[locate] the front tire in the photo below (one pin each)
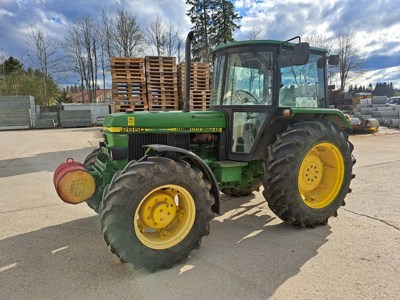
(308, 172)
(94, 201)
(155, 212)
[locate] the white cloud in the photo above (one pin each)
(376, 27)
(381, 75)
(375, 22)
(4, 12)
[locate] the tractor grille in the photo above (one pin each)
(137, 140)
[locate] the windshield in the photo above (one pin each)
(302, 86)
(248, 80)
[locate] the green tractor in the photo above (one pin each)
(156, 179)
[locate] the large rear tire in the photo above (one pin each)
(308, 172)
(155, 212)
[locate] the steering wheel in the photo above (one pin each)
(243, 99)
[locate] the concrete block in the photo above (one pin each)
(366, 101)
(391, 114)
(376, 114)
(45, 123)
(386, 108)
(378, 105)
(367, 111)
(360, 106)
(76, 123)
(394, 123)
(365, 117)
(379, 99)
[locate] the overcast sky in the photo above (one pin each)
(376, 24)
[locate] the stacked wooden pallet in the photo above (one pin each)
(200, 92)
(162, 83)
(129, 84)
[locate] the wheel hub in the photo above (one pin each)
(164, 217)
(311, 172)
(158, 210)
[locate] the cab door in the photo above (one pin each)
(247, 99)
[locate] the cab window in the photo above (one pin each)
(248, 79)
(302, 86)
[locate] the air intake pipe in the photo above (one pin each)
(188, 63)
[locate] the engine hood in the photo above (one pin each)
(162, 121)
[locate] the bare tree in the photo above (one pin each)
(319, 41)
(173, 41)
(324, 42)
(107, 33)
(350, 62)
(179, 49)
(254, 34)
(164, 38)
(2, 71)
(44, 48)
(81, 49)
(155, 35)
(127, 34)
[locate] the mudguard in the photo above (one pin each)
(195, 160)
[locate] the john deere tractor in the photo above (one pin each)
(157, 177)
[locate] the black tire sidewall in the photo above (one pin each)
(127, 199)
(282, 167)
(341, 144)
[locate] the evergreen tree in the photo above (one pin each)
(12, 66)
(224, 19)
(200, 16)
(213, 23)
(18, 81)
(384, 89)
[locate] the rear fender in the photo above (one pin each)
(332, 115)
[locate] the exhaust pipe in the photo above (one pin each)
(188, 63)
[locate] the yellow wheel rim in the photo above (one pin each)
(164, 217)
(321, 175)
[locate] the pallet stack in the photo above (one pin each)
(377, 108)
(200, 92)
(162, 83)
(129, 84)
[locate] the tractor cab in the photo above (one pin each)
(255, 81)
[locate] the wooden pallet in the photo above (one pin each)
(127, 68)
(199, 78)
(161, 83)
(199, 99)
(129, 84)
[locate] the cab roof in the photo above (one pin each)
(259, 42)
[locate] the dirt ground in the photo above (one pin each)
(52, 250)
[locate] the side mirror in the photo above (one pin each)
(301, 53)
(333, 60)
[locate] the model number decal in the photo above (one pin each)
(141, 129)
